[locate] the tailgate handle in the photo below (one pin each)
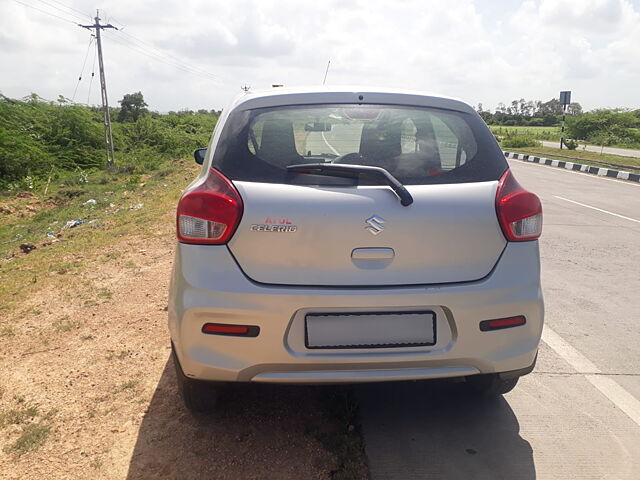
(372, 253)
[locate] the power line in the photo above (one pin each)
(166, 57)
(83, 18)
(83, 14)
(135, 39)
(86, 55)
(149, 47)
(93, 73)
(180, 66)
(45, 12)
(135, 44)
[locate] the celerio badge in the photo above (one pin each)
(375, 224)
(279, 225)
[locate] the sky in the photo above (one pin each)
(192, 54)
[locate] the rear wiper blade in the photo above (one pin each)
(355, 171)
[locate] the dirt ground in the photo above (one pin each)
(86, 361)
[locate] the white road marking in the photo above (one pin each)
(598, 209)
(573, 357)
(329, 145)
(618, 395)
(606, 385)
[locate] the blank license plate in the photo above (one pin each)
(370, 330)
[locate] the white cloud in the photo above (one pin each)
(470, 49)
(590, 45)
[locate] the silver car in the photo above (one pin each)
(353, 235)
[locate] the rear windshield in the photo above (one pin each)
(416, 145)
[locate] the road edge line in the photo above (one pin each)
(607, 386)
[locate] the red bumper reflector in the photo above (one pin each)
(231, 330)
(500, 323)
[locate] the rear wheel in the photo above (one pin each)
(491, 385)
(198, 396)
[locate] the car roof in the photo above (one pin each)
(279, 96)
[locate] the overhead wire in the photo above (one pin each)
(82, 14)
(83, 17)
(125, 39)
(86, 55)
(93, 71)
(46, 12)
(147, 47)
(163, 59)
(145, 44)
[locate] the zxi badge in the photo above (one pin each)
(375, 224)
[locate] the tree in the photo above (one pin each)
(486, 115)
(605, 127)
(552, 107)
(574, 108)
(132, 107)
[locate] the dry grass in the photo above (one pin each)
(87, 390)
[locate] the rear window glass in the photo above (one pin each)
(416, 145)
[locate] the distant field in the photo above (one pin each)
(582, 156)
(539, 133)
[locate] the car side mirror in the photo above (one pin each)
(200, 155)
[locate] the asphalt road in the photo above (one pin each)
(623, 152)
(578, 415)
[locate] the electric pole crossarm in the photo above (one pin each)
(103, 87)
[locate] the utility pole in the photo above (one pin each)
(565, 99)
(103, 87)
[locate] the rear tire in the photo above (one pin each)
(198, 396)
(491, 385)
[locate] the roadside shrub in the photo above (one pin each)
(570, 144)
(39, 140)
(604, 127)
(519, 141)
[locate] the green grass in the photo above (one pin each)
(64, 324)
(582, 156)
(539, 133)
(104, 293)
(23, 275)
(6, 331)
(549, 134)
(17, 416)
(131, 384)
(33, 436)
(35, 427)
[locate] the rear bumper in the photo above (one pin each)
(208, 286)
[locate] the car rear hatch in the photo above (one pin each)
(322, 230)
(299, 235)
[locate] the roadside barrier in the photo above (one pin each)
(578, 167)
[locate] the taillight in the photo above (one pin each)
(519, 212)
(231, 330)
(210, 212)
(500, 323)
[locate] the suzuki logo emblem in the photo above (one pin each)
(374, 224)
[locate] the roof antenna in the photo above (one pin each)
(326, 71)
